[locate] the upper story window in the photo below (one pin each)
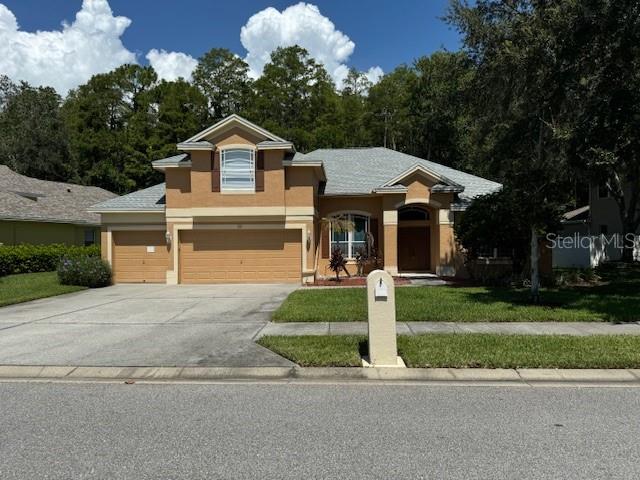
(353, 239)
(237, 170)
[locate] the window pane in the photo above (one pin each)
(359, 229)
(338, 236)
(238, 169)
(344, 246)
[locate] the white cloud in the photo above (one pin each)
(91, 44)
(172, 65)
(303, 25)
(374, 74)
(68, 57)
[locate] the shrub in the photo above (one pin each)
(25, 258)
(337, 262)
(84, 271)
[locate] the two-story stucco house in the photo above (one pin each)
(241, 205)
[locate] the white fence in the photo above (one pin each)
(580, 251)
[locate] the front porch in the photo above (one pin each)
(419, 241)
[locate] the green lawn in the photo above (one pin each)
(30, 286)
(616, 301)
(467, 350)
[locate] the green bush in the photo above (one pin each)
(25, 258)
(85, 271)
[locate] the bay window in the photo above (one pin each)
(352, 240)
(237, 171)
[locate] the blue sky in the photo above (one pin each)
(385, 33)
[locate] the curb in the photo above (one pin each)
(330, 374)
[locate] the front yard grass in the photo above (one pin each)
(458, 350)
(31, 286)
(616, 301)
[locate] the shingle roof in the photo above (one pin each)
(26, 198)
(175, 160)
(361, 170)
(149, 199)
(349, 171)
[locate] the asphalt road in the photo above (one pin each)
(317, 431)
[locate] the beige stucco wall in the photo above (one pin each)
(43, 233)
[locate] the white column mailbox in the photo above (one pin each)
(381, 304)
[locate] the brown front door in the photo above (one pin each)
(414, 246)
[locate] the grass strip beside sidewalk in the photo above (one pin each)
(467, 350)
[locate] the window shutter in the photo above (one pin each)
(324, 240)
(373, 229)
(215, 172)
(260, 171)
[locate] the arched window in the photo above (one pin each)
(350, 241)
(413, 213)
(237, 171)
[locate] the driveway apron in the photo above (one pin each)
(144, 325)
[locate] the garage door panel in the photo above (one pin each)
(218, 256)
(133, 263)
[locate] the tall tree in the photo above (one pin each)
(33, 138)
(520, 105)
(180, 109)
(439, 106)
(601, 51)
(296, 99)
(223, 78)
(353, 101)
(389, 105)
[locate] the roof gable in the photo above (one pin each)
(234, 121)
(420, 169)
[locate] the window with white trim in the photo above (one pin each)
(238, 170)
(352, 240)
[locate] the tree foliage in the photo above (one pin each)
(223, 79)
(33, 137)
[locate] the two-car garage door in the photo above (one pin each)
(240, 256)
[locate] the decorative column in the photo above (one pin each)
(447, 247)
(390, 220)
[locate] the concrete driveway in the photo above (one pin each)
(143, 325)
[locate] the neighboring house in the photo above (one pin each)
(43, 212)
(577, 221)
(605, 214)
(241, 205)
(592, 234)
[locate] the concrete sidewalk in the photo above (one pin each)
(416, 328)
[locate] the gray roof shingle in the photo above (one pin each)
(26, 198)
(148, 199)
(174, 160)
(361, 170)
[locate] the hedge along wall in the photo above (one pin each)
(27, 258)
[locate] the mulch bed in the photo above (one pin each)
(352, 282)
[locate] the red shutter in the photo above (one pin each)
(215, 172)
(324, 240)
(260, 171)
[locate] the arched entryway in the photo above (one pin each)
(414, 239)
